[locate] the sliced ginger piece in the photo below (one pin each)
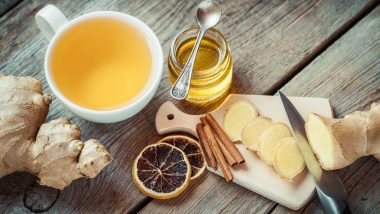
(269, 139)
(237, 116)
(288, 161)
(252, 131)
(322, 141)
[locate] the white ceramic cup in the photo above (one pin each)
(53, 23)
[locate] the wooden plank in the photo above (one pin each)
(268, 40)
(237, 200)
(6, 5)
(348, 73)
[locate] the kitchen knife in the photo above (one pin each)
(330, 189)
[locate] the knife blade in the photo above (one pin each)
(330, 188)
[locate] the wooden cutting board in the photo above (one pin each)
(254, 174)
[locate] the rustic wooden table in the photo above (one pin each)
(326, 48)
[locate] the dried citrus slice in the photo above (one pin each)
(192, 150)
(161, 171)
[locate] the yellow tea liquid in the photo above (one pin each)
(101, 63)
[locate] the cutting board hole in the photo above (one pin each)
(170, 116)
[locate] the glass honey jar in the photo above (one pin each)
(212, 72)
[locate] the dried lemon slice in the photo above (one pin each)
(192, 150)
(161, 171)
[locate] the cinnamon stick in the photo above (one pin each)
(225, 139)
(218, 154)
(204, 121)
(206, 145)
(231, 160)
(237, 142)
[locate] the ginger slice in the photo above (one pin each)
(288, 161)
(269, 139)
(252, 131)
(237, 116)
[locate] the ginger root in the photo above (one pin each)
(339, 142)
(51, 151)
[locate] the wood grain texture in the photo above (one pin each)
(6, 5)
(348, 73)
(269, 40)
(39, 198)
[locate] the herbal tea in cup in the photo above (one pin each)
(104, 66)
(101, 63)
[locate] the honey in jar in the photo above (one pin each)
(212, 72)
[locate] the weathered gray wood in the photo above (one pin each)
(348, 73)
(39, 198)
(6, 5)
(269, 40)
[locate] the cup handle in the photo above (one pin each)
(50, 19)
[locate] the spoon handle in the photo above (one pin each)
(181, 87)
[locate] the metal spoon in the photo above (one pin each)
(208, 15)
